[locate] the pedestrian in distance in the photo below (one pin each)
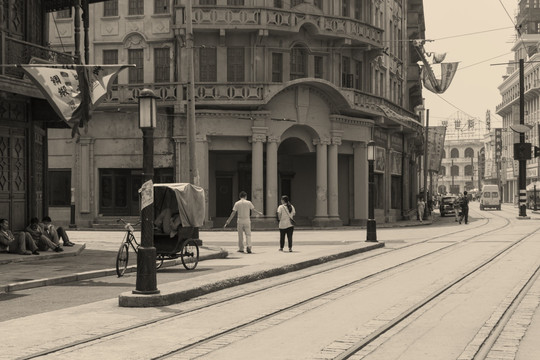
(464, 208)
(54, 233)
(243, 208)
(21, 243)
(457, 208)
(43, 242)
(285, 214)
(420, 207)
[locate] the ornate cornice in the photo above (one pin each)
(351, 121)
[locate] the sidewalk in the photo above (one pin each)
(94, 254)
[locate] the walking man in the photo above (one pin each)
(464, 208)
(243, 208)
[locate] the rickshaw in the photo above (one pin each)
(185, 203)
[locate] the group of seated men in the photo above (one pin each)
(38, 236)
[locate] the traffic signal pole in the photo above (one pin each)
(522, 162)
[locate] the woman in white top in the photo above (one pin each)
(285, 214)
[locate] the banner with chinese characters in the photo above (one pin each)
(436, 135)
(498, 145)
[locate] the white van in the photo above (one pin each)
(491, 197)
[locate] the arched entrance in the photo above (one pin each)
(296, 170)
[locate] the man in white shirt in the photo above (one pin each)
(243, 208)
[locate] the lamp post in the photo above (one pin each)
(371, 234)
(146, 257)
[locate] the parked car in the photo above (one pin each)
(446, 205)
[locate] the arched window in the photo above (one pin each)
(469, 153)
(454, 170)
(454, 154)
(468, 170)
(443, 154)
(298, 62)
(442, 171)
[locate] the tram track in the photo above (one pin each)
(267, 317)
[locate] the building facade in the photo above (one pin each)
(463, 146)
(25, 116)
(287, 96)
(525, 47)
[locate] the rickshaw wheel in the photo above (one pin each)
(122, 259)
(190, 254)
(159, 261)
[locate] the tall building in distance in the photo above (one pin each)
(525, 47)
(463, 143)
(287, 96)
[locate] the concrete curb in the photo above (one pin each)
(169, 297)
(43, 255)
(219, 254)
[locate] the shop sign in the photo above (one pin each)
(380, 160)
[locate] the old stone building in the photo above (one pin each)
(287, 96)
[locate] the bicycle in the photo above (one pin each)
(188, 249)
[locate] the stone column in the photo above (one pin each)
(360, 175)
(201, 147)
(257, 161)
(181, 171)
(86, 171)
(321, 205)
(272, 196)
(333, 193)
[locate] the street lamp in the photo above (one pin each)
(146, 257)
(371, 224)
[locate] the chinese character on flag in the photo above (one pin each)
(73, 90)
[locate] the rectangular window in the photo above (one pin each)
(110, 8)
(358, 75)
(345, 70)
(207, 2)
(396, 192)
(296, 2)
(358, 9)
(381, 84)
(136, 7)
(59, 187)
(110, 57)
(162, 65)
(64, 14)
(318, 64)
(235, 64)
(318, 3)
(277, 67)
(207, 65)
(235, 2)
(161, 6)
(378, 188)
(278, 4)
(136, 74)
(345, 8)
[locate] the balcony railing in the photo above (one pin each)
(282, 20)
(16, 52)
(170, 93)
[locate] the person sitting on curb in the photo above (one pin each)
(54, 233)
(43, 242)
(21, 244)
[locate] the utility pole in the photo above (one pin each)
(472, 172)
(522, 163)
(452, 173)
(193, 171)
(426, 164)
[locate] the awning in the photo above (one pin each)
(57, 5)
(403, 120)
(530, 187)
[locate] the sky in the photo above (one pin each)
(474, 89)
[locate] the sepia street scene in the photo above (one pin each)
(270, 179)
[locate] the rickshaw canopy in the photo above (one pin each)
(190, 200)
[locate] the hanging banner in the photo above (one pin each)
(436, 136)
(498, 145)
(439, 86)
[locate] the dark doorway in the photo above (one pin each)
(224, 195)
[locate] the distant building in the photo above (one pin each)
(525, 47)
(288, 94)
(462, 146)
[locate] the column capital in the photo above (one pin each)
(336, 140)
(273, 139)
(255, 138)
(325, 141)
(202, 138)
(180, 139)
